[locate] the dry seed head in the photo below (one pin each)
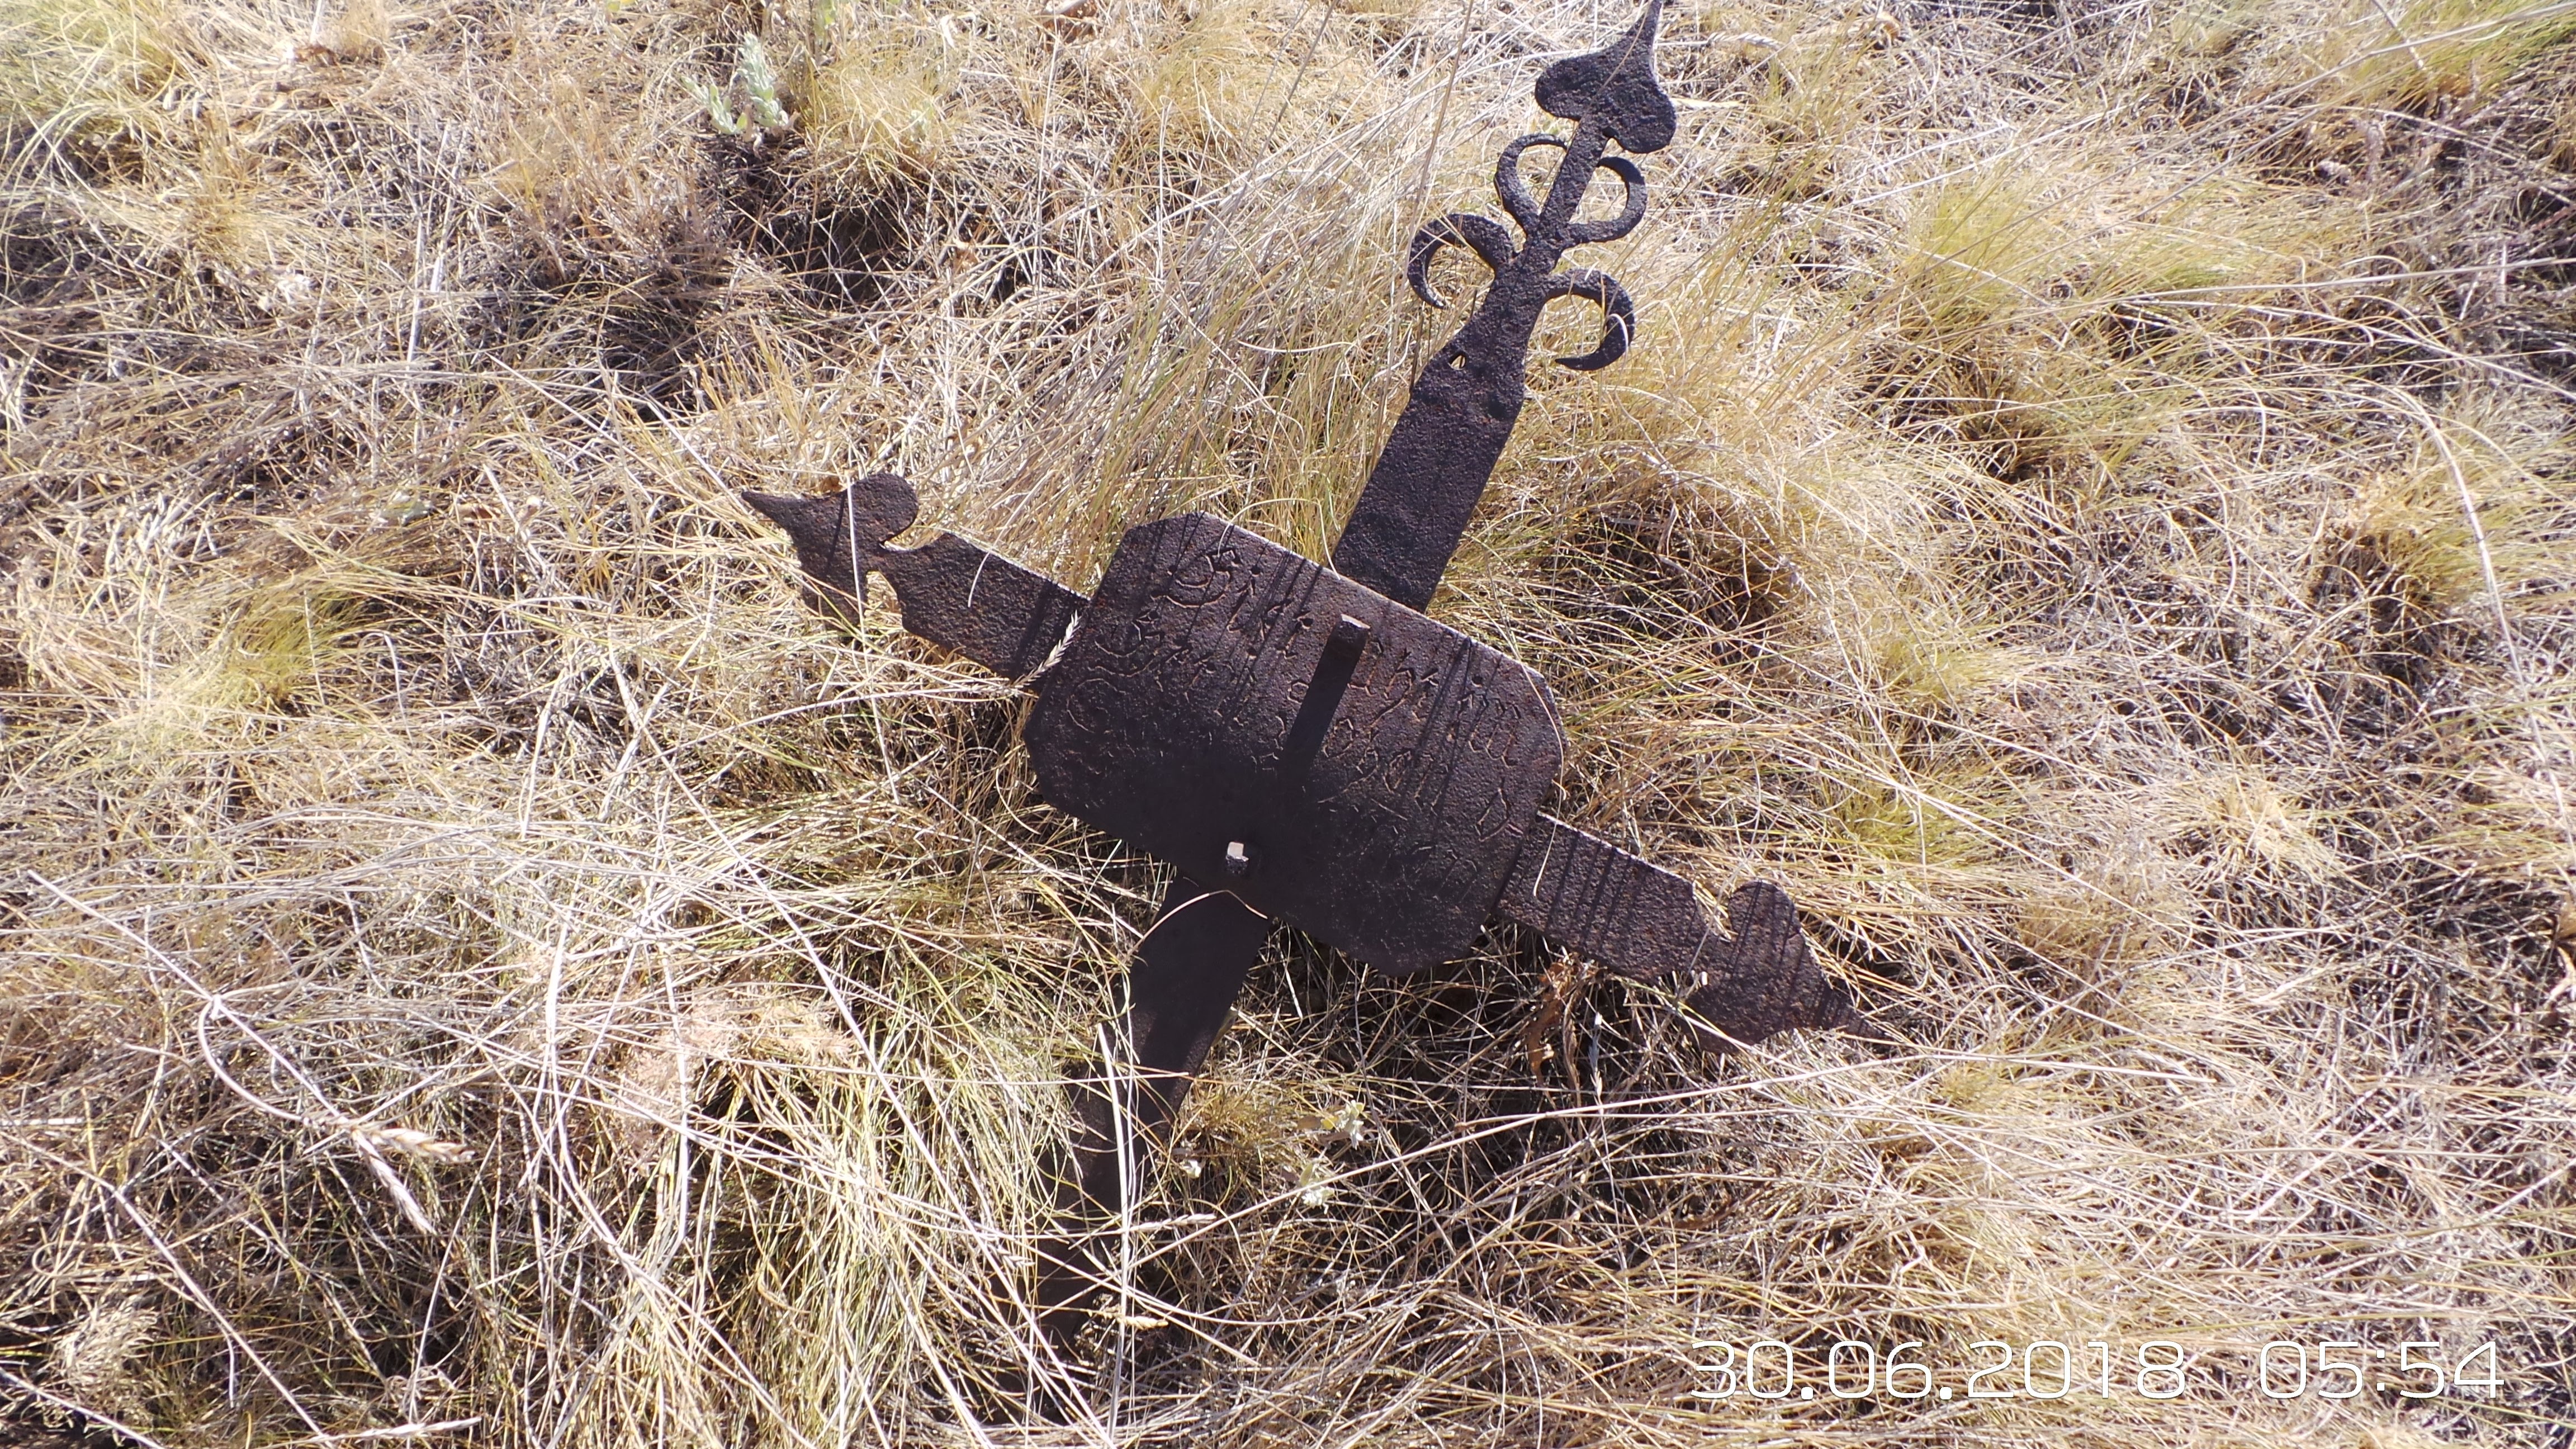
(412, 1142)
(92, 1360)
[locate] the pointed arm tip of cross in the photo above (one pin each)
(1750, 980)
(954, 594)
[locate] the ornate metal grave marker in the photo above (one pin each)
(1301, 742)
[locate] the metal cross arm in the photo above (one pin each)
(1319, 752)
(1302, 743)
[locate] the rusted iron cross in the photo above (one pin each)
(1301, 743)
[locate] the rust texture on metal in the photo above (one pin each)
(1418, 498)
(1187, 971)
(1303, 740)
(1645, 922)
(1371, 771)
(957, 596)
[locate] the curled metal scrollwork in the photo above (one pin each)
(1493, 245)
(1424, 487)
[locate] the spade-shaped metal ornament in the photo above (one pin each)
(1301, 742)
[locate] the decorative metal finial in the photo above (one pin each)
(1433, 469)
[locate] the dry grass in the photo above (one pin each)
(2093, 511)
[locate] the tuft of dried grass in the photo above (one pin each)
(2089, 510)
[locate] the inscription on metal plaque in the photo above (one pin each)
(1376, 793)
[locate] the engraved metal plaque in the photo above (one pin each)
(1323, 752)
